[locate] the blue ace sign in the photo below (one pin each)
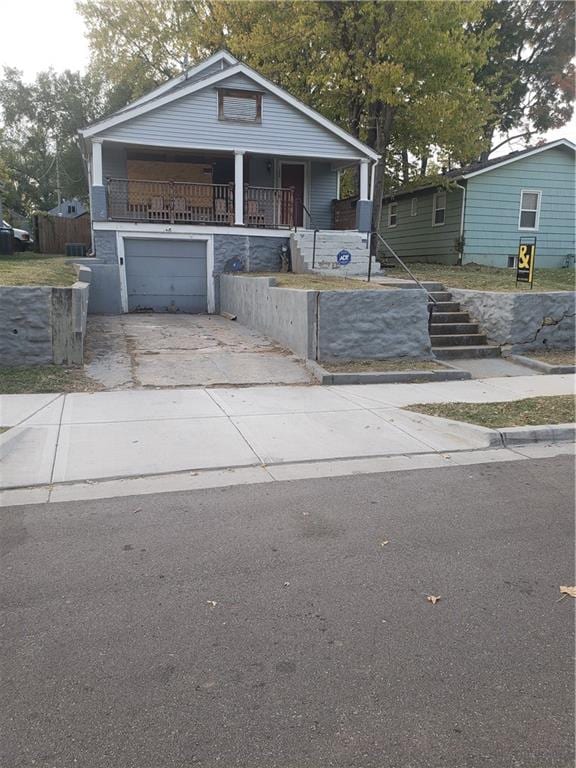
(343, 257)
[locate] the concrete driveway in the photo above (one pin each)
(162, 350)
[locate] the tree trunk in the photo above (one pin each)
(423, 165)
(405, 167)
(385, 120)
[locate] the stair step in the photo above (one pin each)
(442, 296)
(458, 340)
(465, 328)
(446, 306)
(450, 317)
(454, 353)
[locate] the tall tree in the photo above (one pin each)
(39, 138)
(529, 72)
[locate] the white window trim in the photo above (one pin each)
(392, 226)
(434, 209)
(538, 206)
(414, 206)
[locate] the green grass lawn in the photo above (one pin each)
(482, 278)
(36, 269)
(44, 378)
(316, 282)
(531, 412)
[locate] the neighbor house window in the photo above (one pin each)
(239, 106)
(392, 214)
(71, 209)
(414, 207)
(439, 209)
(529, 209)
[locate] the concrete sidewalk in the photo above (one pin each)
(56, 439)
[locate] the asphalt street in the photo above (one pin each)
(286, 625)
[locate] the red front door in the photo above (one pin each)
(292, 176)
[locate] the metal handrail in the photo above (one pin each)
(316, 230)
(431, 299)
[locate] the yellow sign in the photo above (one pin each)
(526, 257)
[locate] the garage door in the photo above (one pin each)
(166, 275)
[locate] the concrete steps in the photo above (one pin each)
(328, 244)
(453, 334)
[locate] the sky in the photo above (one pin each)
(51, 34)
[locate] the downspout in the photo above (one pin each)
(461, 238)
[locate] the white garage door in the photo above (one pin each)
(166, 275)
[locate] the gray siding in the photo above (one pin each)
(414, 236)
(323, 183)
(192, 122)
(493, 206)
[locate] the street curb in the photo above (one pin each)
(539, 365)
(384, 377)
(547, 433)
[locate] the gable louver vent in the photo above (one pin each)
(239, 106)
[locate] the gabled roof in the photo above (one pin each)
(475, 169)
(179, 87)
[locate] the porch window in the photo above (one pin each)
(414, 207)
(239, 106)
(392, 214)
(529, 209)
(439, 209)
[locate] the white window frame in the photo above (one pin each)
(414, 206)
(536, 226)
(390, 225)
(435, 208)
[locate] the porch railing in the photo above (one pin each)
(170, 201)
(192, 203)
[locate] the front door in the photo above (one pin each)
(292, 176)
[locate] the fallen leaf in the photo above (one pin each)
(384, 542)
(211, 603)
(433, 599)
(568, 591)
(286, 583)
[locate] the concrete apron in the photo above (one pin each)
(84, 444)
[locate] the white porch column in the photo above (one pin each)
(97, 178)
(238, 188)
(364, 180)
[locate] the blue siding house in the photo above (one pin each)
(207, 172)
(482, 211)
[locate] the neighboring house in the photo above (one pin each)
(69, 209)
(489, 207)
(208, 172)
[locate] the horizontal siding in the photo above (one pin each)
(323, 185)
(493, 205)
(414, 236)
(192, 121)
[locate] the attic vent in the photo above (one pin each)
(240, 106)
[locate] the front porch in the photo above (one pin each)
(230, 189)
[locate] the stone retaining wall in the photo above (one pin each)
(41, 325)
(332, 325)
(523, 321)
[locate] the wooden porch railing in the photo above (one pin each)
(192, 203)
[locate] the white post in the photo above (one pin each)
(364, 180)
(238, 188)
(97, 178)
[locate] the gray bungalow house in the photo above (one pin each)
(208, 172)
(482, 214)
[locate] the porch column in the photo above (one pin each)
(97, 178)
(364, 180)
(238, 188)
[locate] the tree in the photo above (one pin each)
(529, 72)
(39, 146)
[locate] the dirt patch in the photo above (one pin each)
(554, 357)
(531, 412)
(16, 380)
(318, 282)
(384, 366)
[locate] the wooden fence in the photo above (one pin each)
(51, 233)
(344, 213)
